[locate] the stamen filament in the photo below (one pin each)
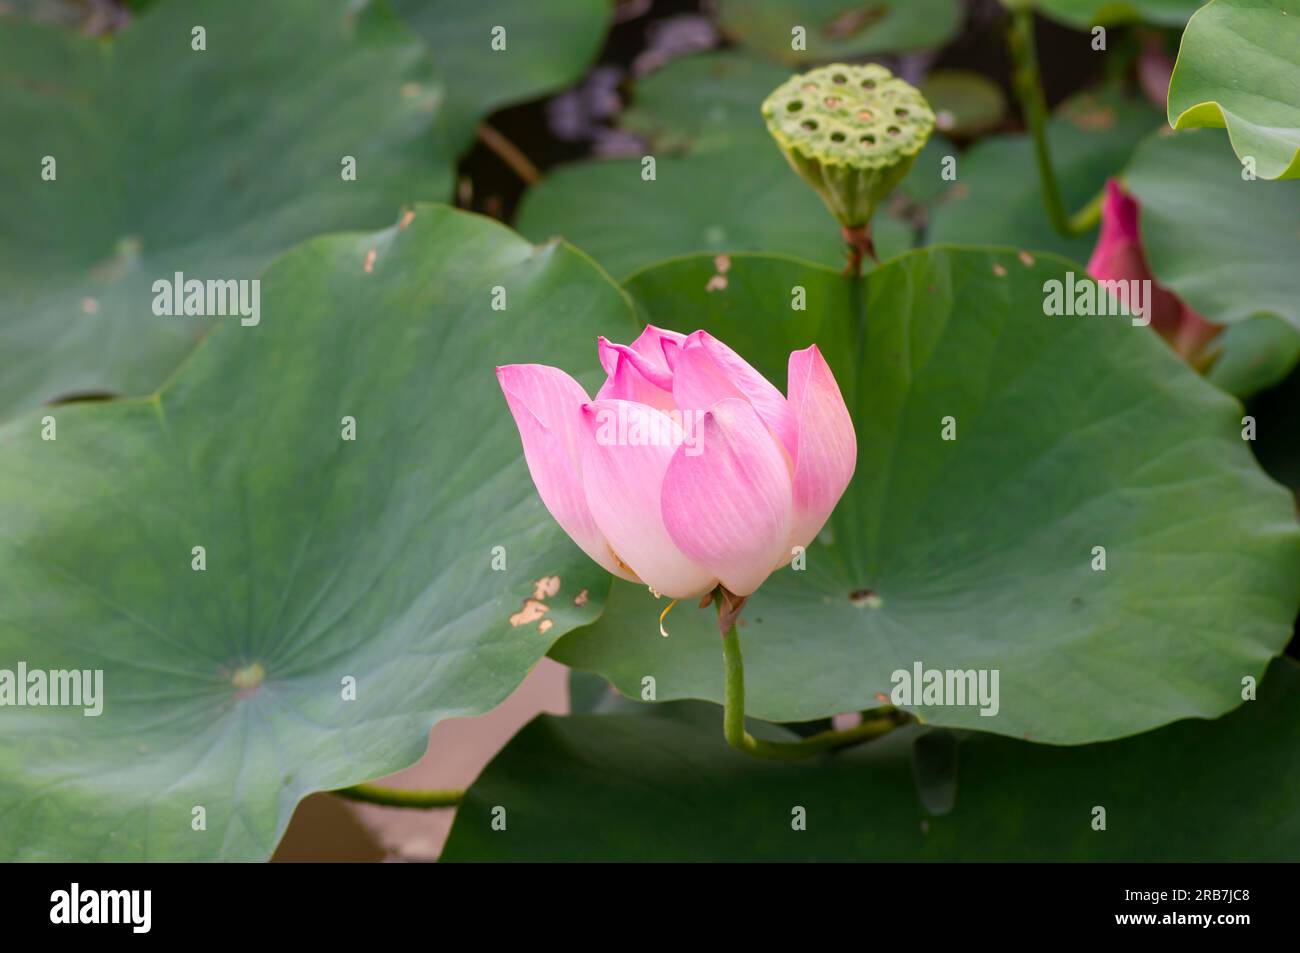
(662, 630)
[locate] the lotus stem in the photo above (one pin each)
(733, 717)
(1028, 84)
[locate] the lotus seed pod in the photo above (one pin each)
(851, 132)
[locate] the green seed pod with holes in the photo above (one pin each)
(851, 132)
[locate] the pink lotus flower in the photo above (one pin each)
(689, 469)
(1119, 256)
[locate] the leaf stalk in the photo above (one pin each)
(1027, 82)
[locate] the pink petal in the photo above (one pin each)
(726, 501)
(708, 371)
(1119, 256)
(547, 406)
(634, 377)
(659, 345)
(827, 449)
(1194, 335)
(1155, 68)
(1114, 256)
(626, 451)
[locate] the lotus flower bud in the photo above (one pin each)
(689, 470)
(851, 132)
(1119, 256)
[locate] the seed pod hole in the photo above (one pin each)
(839, 78)
(868, 84)
(832, 102)
(809, 124)
(865, 115)
(868, 141)
(794, 107)
(837, 137)
(901, 113)
(893, 130)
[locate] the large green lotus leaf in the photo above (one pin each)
(735, 199)
(1085, 14)
(1230, 254)
(1225, 245)
(623, 787)
(702, 102)
(325, 558)
(547, 46)
(996, 198)
(965, 103)
(1254, 354)
(977, 553)
(175, 160)
(838, 29)
(1239, 66)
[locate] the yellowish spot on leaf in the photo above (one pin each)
(719, 281)
(530, 613)
(248, 678)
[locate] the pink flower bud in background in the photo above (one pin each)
(1154, 68)
(1119, 257)
(689, 469)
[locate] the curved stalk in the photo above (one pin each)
(1028, 84)
(733, 718)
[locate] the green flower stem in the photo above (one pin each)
(396, 797)
(733, 718)
(1088, 217)
(1028, 84)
